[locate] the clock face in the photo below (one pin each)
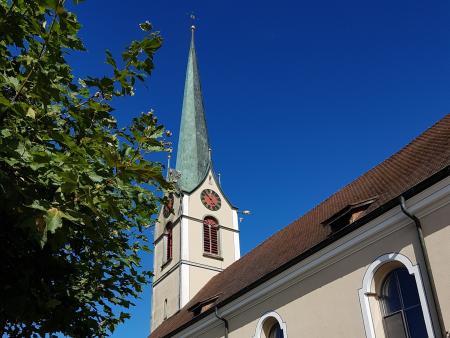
(168, 207)
(211, 199)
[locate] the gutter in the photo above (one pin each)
(227, 329)
(424, 252)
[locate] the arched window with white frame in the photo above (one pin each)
(211, 236)
(400, 306)
(168, 243)
(393, 299)
(271, 325)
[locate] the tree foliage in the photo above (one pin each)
(73, 208)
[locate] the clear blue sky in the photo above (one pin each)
(301, 97)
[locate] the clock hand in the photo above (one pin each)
(212, 198)
(209, 202)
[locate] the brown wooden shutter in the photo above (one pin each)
(214, 244)
(210, 236)
(206, 238)
(169, 243)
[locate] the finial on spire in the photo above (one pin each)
(192, 17)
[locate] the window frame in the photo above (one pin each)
(366, 293)
(217, 226)
(167, 245)
(272, 315)
(169, 248)
(403, 307)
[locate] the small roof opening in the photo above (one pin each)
(203, 305)
(349, 214)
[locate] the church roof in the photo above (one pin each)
(193, 159)
(423, 162)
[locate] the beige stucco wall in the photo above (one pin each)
(197, 278)
(325, 302)
(169, 290)
(437, 231)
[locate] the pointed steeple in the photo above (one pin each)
(193, 159)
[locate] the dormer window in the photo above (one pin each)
(348, 215)
(203, 305)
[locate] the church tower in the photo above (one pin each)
(197, 234)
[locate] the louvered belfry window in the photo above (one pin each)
(169, 243)
(210, 236)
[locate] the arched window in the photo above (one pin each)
(169, 242)
(393, 299)
(210, 235)
(276, 331)
(402, 313)
(271, 325)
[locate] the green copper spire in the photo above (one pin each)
(193, 158)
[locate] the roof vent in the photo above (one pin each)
(348, 214)
(203, 305)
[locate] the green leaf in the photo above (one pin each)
(31, 113)
(6, 132)
(95, 177)
(146, 26)
(110, 60)
(53, 220)
(82, 83)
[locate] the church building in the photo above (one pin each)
(372, 260)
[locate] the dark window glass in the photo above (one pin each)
(391, 296)
(416, 323)
(402, 312)
(276, 331)
(395, 326)
(408, 289)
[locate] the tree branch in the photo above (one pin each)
(41, 53)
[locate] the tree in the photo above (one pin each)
(73, 207)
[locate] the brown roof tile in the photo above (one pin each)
(425, 156)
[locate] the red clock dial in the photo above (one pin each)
(210, 199)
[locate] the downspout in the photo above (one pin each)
(224, 321)
(424, 253)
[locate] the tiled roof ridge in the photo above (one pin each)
(420, 159)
